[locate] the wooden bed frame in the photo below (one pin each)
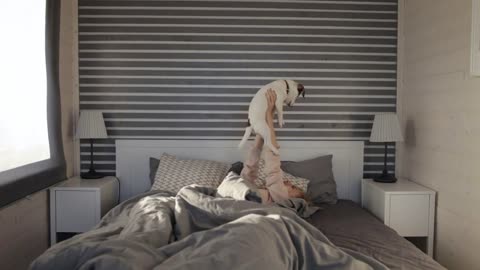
(132, 160)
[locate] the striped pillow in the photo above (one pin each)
(299, 182)
(174, 174)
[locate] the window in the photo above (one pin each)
(31, 150)
(23, 95)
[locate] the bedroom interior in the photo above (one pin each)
(152, 96)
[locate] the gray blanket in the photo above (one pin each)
(198, 230)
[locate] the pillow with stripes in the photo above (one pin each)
(299, 182)
(174, 173)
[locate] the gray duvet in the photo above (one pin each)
(198, 230)
(347, 225)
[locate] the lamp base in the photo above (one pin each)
(91, 175)
(385, 178)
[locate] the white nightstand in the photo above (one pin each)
(404, 206)
(77, 205)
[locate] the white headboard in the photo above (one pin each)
(133, 160)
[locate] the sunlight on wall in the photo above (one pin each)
(23, 88)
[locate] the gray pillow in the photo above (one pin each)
(322, 187)
(154, 163)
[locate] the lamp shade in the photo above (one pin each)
(386, 128)
(91, 125)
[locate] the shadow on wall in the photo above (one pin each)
(410, 138)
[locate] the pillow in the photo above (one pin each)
(154, 162)
(322, 187)
(174, 173)
(299, 182)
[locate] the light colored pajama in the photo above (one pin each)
(276, 190)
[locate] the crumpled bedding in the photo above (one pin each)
(197, 229)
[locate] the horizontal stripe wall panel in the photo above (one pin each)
(188, 69)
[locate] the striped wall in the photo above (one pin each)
(188, 69)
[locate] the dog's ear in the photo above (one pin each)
(301, 90)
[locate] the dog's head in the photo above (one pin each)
(294, 90)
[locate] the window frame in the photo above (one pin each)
(22, 181)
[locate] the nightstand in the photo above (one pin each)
(404, 206)
(77, 205)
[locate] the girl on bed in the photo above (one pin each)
(276, 188)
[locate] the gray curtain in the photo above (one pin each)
(22, 181)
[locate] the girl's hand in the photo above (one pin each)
(271, 98)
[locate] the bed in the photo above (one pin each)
(349, 226)
(198, 226)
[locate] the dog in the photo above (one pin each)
(287, 92)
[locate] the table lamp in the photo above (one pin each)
(91, 126)
(386, 128)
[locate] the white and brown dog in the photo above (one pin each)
(287, 92)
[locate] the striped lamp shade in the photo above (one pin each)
(91, 125)
(386, 128)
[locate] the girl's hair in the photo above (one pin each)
(307, 199)
(300, 192)
(303, 195)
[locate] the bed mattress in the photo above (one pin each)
(349, 226)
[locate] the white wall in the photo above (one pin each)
(440, 111)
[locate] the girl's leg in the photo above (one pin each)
(274, 182)
(250, 167)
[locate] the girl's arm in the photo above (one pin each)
(250, 166)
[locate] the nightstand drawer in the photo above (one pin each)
(76, 211)
(409, 214)
(77, 205)
(404, 206)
